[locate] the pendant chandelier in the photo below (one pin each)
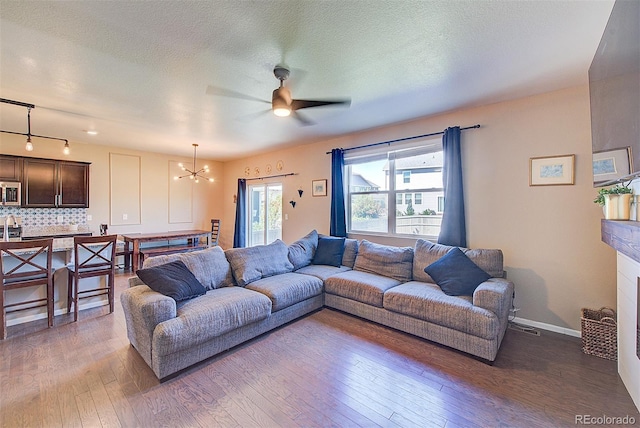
(29, 145)
(194, 174)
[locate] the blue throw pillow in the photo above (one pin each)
(456, 274)
(173, 279)
(329, 252)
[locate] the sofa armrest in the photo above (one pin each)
(495, 295)
(143, 310)
(134, 280)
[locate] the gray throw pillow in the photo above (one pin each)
(301, 252)
(253, 263)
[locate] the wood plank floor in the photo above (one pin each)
(327, 369)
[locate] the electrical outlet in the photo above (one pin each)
(60, 219)
(125, 216)
(89, 217)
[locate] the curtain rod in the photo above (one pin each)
(272, 176)
(404, 139)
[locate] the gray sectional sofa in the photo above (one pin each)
(250, 291)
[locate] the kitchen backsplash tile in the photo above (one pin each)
(44, 217)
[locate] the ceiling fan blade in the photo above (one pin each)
(253, 116)
(300, 118)
(299, 104)
(222, 92)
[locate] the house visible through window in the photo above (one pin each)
(397, 192)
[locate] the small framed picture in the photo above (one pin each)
(319, 187)
(551, 170)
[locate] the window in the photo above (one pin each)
(440, 204)
(378, 183)
(265, 213)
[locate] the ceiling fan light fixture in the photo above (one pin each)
(281, 111)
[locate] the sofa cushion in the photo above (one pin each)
(252, 263)
(322, 271)
(350, 252)
(210, 266)
(429, 303)
(172, 279)
(287, 289)
(385, 260)
(361, 286)
(216, 313)
(426, 253)
(456, 274)
(301, 252)
(329, 252)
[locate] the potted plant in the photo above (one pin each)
(616, 201)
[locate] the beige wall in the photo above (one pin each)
(154, 184)
(550, 235)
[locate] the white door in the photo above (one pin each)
(265, 213)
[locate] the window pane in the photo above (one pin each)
(265, 209)
(407, 198)
(425, 172)
(369, 176)
(418, 198)
(369, 212)
(256, 215)
(398, 198)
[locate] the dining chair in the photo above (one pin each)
(93, 256)
(26, 264)
(215, 231)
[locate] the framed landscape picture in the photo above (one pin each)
(319, 187)
(551, 170)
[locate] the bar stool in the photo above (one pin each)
(215, 231)
(20, 267)
(93, 256)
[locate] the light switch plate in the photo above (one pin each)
(125, 216)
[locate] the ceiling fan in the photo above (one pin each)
(282, 104)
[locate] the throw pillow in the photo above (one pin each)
(301, 252)
(329, 252)
(172, 279)
(456, 274)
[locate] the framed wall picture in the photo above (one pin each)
(551, 170)
(611, 165)
(319, 187)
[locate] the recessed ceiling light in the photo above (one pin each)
(92, 132)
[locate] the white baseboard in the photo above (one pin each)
(548, 327)
(60, 311)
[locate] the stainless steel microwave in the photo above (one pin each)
(10, 193)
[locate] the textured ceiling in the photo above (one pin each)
(138, 72)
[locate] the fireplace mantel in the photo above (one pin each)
(623, 236)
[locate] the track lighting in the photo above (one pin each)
(29, 146)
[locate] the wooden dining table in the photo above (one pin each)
(132, 241)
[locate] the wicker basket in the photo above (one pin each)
(599, 333)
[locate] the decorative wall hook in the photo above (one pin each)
(293, 203)
(300, 191)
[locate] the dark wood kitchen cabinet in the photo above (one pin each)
(10, 168)
(48, 183)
